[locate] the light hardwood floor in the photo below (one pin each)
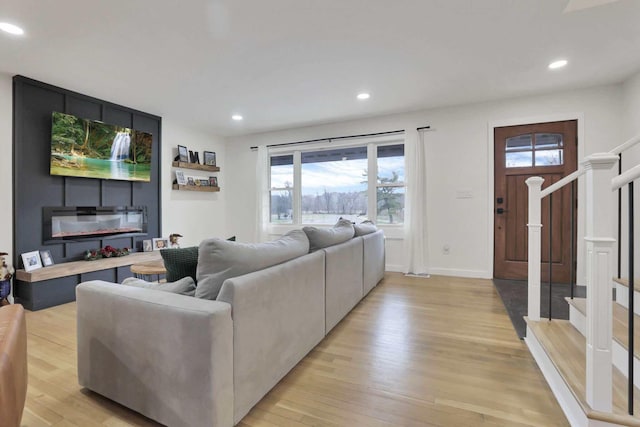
(415, 352)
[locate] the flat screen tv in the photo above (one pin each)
(92, 149)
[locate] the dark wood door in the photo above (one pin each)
(548, 150)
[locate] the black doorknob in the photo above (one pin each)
(500, 210)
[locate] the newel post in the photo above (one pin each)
(599, 242)
(535, 242)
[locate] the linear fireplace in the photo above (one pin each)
(68, 224)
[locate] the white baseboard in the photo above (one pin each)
(396, 268)
(475, 274)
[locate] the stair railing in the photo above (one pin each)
(617, 184)
(599, 212)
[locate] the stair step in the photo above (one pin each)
(620, 319)
(566, 348)
(625, 282)
(622, 293)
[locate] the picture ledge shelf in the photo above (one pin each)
(208, 188)
(79, 267)
(196, 166)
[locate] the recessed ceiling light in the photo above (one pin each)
(11, 29)
(558, 64)
(237, 117)
(364, 96)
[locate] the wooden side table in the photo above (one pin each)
(146, 270)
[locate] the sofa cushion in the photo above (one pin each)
(365, 227)
(185, 286)
(220, 259)
(323, 237)
(181, 262)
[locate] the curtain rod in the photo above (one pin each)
(334, 138)
(423, 128)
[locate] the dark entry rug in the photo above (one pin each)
(514, 297)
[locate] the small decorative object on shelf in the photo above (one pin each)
(106, 252)
(6, 272)
(173, 240)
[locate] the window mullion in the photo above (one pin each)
(372, 180)
(297, 188)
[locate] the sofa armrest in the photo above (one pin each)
(167, 356)
(373, 260)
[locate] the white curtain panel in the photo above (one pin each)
(262, 195)
(415, 226)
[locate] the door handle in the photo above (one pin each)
(501, 211)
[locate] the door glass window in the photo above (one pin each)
(540, 149)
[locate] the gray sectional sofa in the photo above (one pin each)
(186, 361)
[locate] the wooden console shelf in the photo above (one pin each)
(196, 166)
(196, 188)
(79, 267)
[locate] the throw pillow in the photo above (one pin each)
(184, 286)
(181, 262)
(323, 237)
(220, 259)
(365, 227)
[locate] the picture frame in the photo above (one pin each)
(204, 182)
(183, 154)
(209, 158)
(190, 181)
(180, 178)
(31, 260)
(147, 245)
(160, 243)
(213, 181)
(46, 258)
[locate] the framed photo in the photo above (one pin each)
(204, 182)
(209, 158)
(190, 181)
(213, 181)
(160, 243)
(147, 245)
(183, 154)
(180, 178)
(31, 261)
(46, 257)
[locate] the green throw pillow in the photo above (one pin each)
(181, 262)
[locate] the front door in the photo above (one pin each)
(548, 150)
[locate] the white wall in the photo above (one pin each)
(459, 157)
(6, 165)
(196, 215)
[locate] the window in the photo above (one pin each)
(335, 182)
(334, 185)
(540, 149)
(282, 189)
(390, 184)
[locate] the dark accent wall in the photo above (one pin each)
(34, 187)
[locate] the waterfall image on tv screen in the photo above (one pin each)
(91, 149)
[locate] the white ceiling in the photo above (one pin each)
(289, 63)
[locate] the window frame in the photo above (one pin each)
(372, 145)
